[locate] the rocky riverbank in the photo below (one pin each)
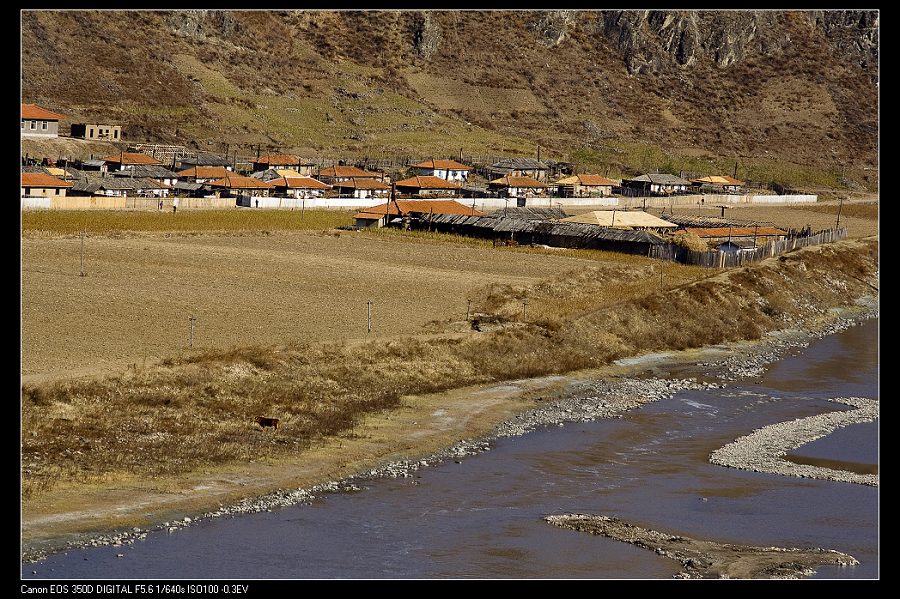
(583, 400)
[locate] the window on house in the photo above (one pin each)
(34, 124)
(44, 125)
(56, 191)
(23, 124)
(115, 134)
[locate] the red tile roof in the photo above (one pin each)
(42, 180)
(364, 183)
(277, 159)
(400, 207)
(299, 183)
(511, 181)
(346, 171)
(240, 182)
(130, 158)
(33, 111)
(735, 231)
(205, 172)
(427, 182)
(450, 165)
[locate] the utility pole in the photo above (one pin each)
(369, 317)
(468, 308)
(524, 305)
(82, 252)
(193, 320)
(837, 225)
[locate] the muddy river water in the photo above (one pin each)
(482, 516)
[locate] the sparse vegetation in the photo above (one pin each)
(802, 114)
(196, 409)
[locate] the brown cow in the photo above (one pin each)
(264, 422)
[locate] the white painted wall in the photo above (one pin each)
(32, 203)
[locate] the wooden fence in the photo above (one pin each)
(720, 259)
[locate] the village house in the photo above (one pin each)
(203, 174)
(105, 186)
(449, 170)
(520, 167)
(156, 172)
(383, 214)
(738, 245)
(585, 186)
(515, 186)
(40, 122)
(298, 187)
(97, 132)
(652, 184)
(339, 174)
(92, 165)
(205, 159)
(283, 161)
(363, 188)
(717, 184)
(127, 160)
(427, 185)
(233, 186)
(43, 185)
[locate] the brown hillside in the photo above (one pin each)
(794, 88)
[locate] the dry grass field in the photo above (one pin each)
(140, 289)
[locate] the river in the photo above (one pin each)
(482, 516)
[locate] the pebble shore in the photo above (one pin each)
(764, 449)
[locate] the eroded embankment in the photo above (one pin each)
(145, 445)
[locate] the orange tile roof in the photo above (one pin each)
(511, 181)
(586, 180)
(364, 183)
(735, 231)
(450, 165)
(299, 183)
(42, 180)
(205, 172)
(131, 158)
(277, 159)
(400, 207)
(240, 182)
(33, 111)
(427, 182)
(345, 171)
